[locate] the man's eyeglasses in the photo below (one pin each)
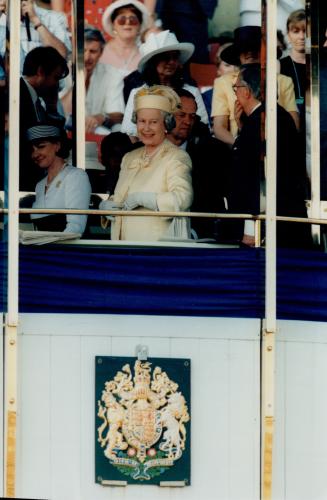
(133, 20)
(235, 87)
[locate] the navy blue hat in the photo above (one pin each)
(39, 132)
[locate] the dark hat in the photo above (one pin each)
(246, 39)
(229, 56)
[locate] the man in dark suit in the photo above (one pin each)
(247, 176)
(210, 162)
(43, 68)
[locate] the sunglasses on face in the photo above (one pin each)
(133, 20)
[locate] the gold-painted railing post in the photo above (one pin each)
(257, 233)
(10, 379)
(268, 389)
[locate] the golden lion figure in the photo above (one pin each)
(113, 415)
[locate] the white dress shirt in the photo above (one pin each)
(105, 92)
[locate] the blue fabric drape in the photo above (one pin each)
(141, 281)
(302, 285)
(167, 281)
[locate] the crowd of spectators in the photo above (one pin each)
(166, 143)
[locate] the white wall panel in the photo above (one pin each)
(34, 417)
(300, 447)
(244, 423)
(57, 410)
(65, 416)
(118, 325)
(226, 425)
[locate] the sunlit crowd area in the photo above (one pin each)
(174, 107)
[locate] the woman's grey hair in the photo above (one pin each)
(168, 119)
(250, 74)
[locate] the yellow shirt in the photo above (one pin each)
(224, 97)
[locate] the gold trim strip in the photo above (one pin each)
(172, 484)
(107, 482)
(268, 454)
(11, 454)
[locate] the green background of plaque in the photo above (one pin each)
(178, 370)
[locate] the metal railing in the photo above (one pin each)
(257, 219)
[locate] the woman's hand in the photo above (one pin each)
(110, 205)
(139, 199)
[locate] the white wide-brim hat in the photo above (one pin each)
(117, 4)
(165, 41)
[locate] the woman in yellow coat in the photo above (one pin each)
(155, 177)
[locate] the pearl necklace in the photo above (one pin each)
(147, 157)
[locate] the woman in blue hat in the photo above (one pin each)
(63, 186)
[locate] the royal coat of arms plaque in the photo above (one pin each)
(142, 418)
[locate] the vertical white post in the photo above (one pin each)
(271, 159)
(78, 33)
(10, 344)
(268, 340)
(13, 191)
(313, 49)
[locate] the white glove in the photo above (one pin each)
(110, 205)
(139, 199)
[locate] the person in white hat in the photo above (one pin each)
(161, 64)
(155, 177)
(124, 21)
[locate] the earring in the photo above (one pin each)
(114, 32)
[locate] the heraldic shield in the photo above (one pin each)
(142, 430)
